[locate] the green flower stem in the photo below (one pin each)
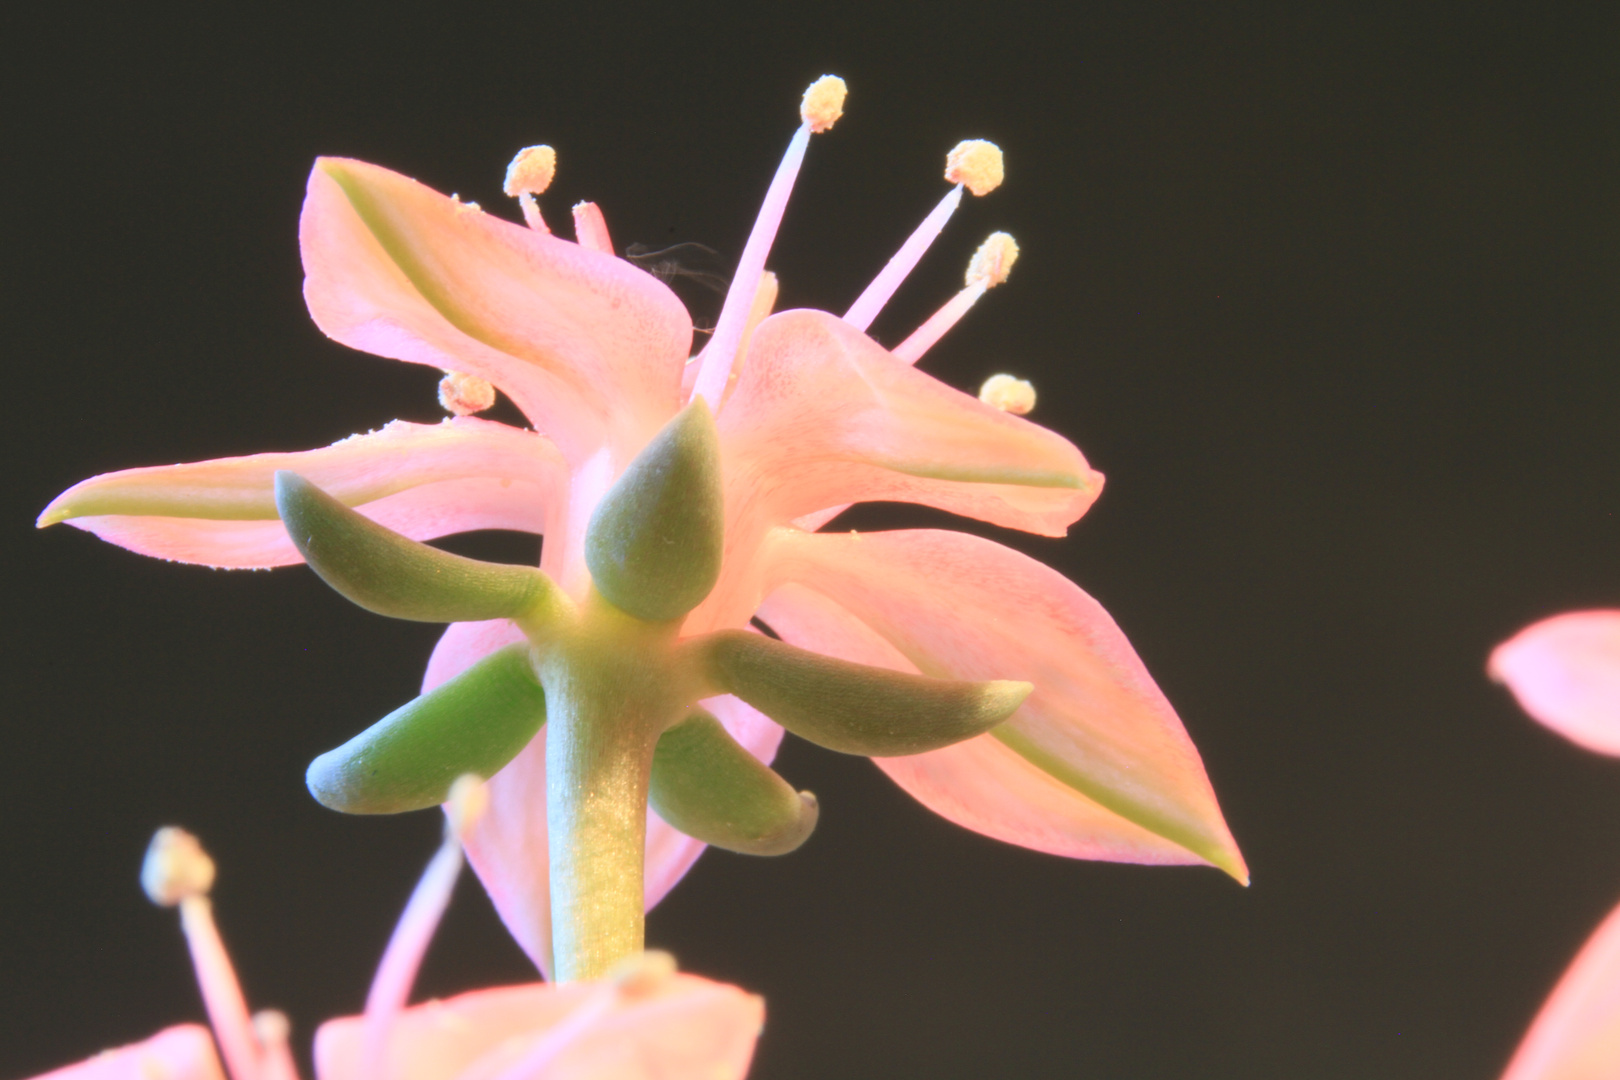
(612, 688)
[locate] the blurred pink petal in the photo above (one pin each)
(588, 346)
(955, 605)
(423, 480)
(1576, 1036)
(687, 1028)
(508, 846)
(823, 416)
(1565, 671)
(980, 784)
(182, 1052)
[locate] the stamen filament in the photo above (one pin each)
(923, 338)
(883, 287)
(721, 351)
(531, 213)
(590, 228)
(221, 993)
(272, 1029)
(401, 960)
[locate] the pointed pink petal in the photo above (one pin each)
(1576, 1036)
(980, 784)
(423, 480)
(182, 1052)
(955, 605)
(507, 847)
(1565, 671)
(588, 346)
(688, 1028)
(823, 416)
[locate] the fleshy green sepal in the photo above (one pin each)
(853, 708)
(393, 575)
(474, 723)
(713, 790)
(654, 544)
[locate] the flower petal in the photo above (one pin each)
(1565, 671)
(687, 1028)
(507, 846)
(823, 416)
(422, 480)
(959, 606)
(980, 784)
(1576, 1036)
(182, 1052)
(588, 346)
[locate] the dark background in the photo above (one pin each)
(1330, 296)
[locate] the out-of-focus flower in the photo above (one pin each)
(809, 415)
(646, 1022)
(1565, 672)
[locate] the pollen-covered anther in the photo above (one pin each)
(176, 867)
(531, 171)
(823, 103)
(993, 261)
(468, 800)
(1008, 393)
(976, 164)
(464, 394)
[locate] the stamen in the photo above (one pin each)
(823, 103)
(822, 106)
(529, 174)
(272, 1029)
(465, 394)
(403, 957)
(178, 872)
(988, 268)
(590, 228)
(1008, 393)
(975, 164)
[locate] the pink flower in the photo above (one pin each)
(812, 415)
(1565, 672)
(647, 1022)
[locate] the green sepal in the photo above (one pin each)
(393, 575)
(853, 708)
(711, 789)
(654, 543)
(474, 723)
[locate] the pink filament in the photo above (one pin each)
(277, 1061)
(402, 958)
(222, 994)
(869, 303)
(590, 228)
(531, 213)
(922, 339)
(721, 352)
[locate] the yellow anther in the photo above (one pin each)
(465, 394)
(531, 171)
(1008, 393)
(993, 261)
(176, 867)
(823, 103)
(468, 800)
(976, 164)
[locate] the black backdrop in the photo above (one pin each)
(1329, 296)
